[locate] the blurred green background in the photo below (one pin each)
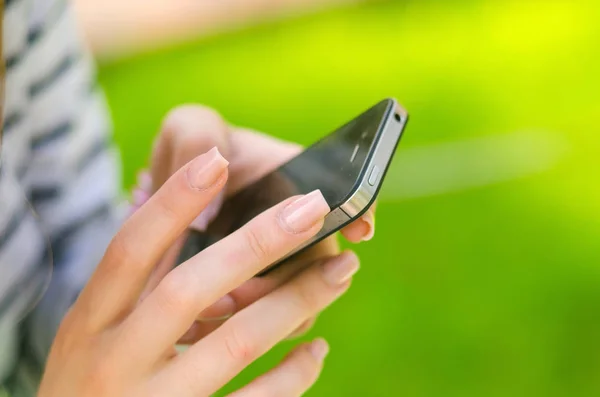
(484, 276)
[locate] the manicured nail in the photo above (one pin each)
(338, 270)
(319, 348)
(219, 311)
(206, 169)
(209, 214)
(369, 220)
(305, 212)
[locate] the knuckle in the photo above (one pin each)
(239, 347)
(101, 377)
(119, 252)
(174, 293)
(306, 299)
(167, 204)
(68, 336)
(258, 244)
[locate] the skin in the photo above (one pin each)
(119, 337)
(193, 129)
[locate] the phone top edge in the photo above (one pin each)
(390, 133)
(382, 123)
(366, 192)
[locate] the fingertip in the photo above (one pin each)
(319, 348)
(369, 220)
(350, 256)
(304, 213)
(217, 153)
(356, 231)
(207, 170)
(362, 229)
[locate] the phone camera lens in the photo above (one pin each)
(397, 117)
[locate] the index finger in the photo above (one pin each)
(200, 281)
(120, 278)
(186, 132)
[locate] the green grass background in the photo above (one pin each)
(490, 291)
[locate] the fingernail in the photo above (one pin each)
(209, 214)
(339, 270)
(219, 311)
(369, 221)
(319, 348)
(144, 181)
(305, 212)
(206, 169)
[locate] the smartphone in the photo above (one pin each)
(348, 166)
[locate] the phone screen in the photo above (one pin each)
(332, 165)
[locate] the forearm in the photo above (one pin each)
(116, 27)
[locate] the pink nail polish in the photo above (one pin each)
(305, 212)
(319, 348)
(205, 170)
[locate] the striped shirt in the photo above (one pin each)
(58, 182)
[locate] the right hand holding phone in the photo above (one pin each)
(190, 130)
(119, 337)
(111, 344)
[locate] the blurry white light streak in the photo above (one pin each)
(447, 167)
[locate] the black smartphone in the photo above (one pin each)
(348, 166)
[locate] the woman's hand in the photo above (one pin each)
(190, 130)
(112, 344)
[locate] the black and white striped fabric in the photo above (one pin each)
(58, 182)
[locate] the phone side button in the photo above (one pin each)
(374, 175)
